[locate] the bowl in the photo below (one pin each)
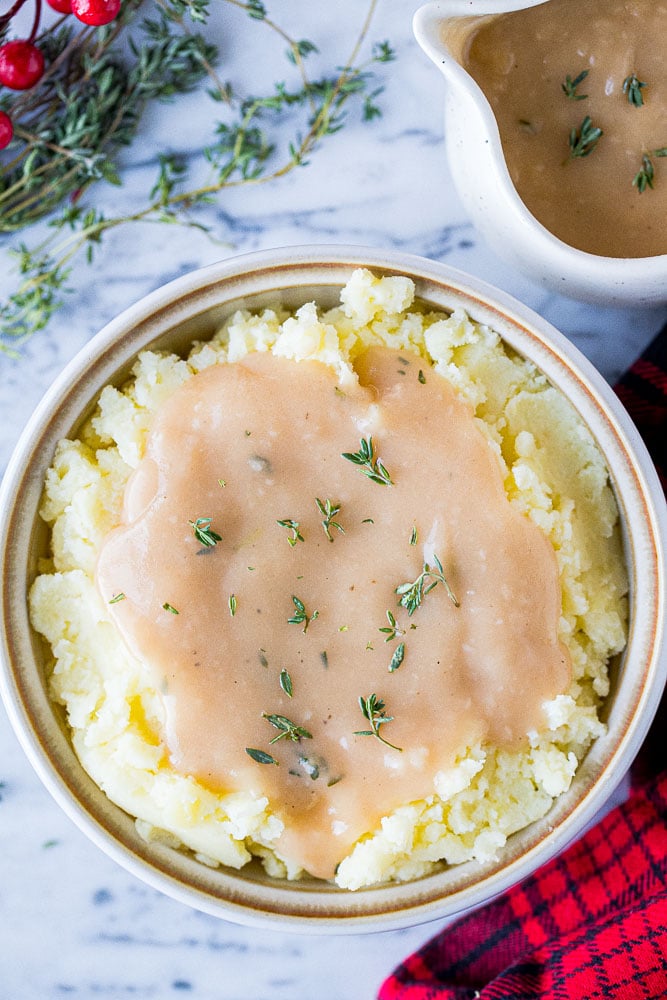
(192, 307)
(482, 179)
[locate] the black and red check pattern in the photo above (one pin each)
(591, 924)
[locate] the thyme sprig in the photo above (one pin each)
(293, 526)
(301, 616)
(632, 88)
(88, 105)
(373, 709)
(584, 139)
(204, 533)
(369, 464)
(287, 729)
(329, 510)
(569, 87)
(412, 594)
(645, 175)
(391, 631)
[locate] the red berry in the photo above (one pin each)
(6, 130)
(62, 6)
(96, 12)
(21, 64)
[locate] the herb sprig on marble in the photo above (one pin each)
(70, 127)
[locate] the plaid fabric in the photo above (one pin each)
(591, 924)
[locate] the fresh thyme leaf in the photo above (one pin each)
(288, 730)
(232, 604)
(170, 608)
(397, 658)
(569, 88)
(300, 616)
(286, 683)
(117, 598)
(373, 709)
(296, 535)
(660, 152)
(204, 532)
(383, 52)
(324, 657)
(392, 630)
(644, 177)
(301, 50)
(584, 140)
(632, 88)
(256, 9)
(413, 535)
(412, 594)
(260, 756)
(421, 377)
(329, 510)
(370, 466)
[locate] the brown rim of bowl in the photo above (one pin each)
(245, 897)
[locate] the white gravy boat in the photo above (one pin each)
(484, 185)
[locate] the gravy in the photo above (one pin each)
(256, 442)
(521, 59)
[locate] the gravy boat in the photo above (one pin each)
(482, 179)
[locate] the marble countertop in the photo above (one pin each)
(73, 923)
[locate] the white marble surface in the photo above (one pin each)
(73, 923)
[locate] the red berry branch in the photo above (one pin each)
(22, 60)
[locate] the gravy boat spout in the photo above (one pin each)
(480, 174)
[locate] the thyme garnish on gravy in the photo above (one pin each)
(584, 140)
(569, 88)
(370, 466)
(397, 658)
(644, 177)
(301, 616)
(329, 510)
(373, 709)
(412, 594)
(286, 683)
(204, 533)
(260, 756)
(392, 631)
(296, 535)
(632, 88)
(287, 729)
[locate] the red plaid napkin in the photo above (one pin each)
(592, 923)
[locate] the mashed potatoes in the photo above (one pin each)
(553, 474)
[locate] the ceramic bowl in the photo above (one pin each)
(481, 177)
(192, 308)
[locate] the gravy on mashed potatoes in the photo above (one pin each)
(230, 588)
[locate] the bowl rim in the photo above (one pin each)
(291, 907)
(561, 256)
